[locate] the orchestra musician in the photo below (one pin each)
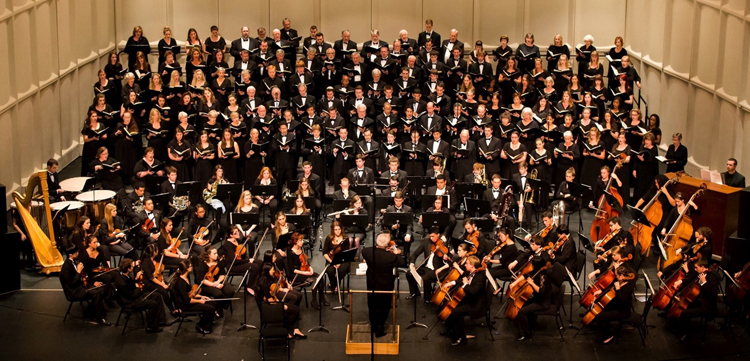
(336, 241)
(148, 221)
(475, 238)
(272, 290)
(232, 253)
(433, 249)
(132, 296)
(701, 248)
(474, 283)
(508, 253)
(381, 261)
(401, 233)
(172, 253)
(302, 272)
(197, 222)
(705, 305)
(437, 207)
(619, 308)
(113, 235)
(732, 177)
(183, 302)
(210, 273)
(151, 275)
(620, 238)
(565, 253)
(540, 301)
(72, 280)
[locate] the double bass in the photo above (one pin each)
(679, 234)
(654, 213)
(604, 210)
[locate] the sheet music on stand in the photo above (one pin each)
(712, 176)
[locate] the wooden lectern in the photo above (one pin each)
(719, 208)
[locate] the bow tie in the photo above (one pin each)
(495, 191)
(149, 213)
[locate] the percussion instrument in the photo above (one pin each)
(72, 214)
(73, 185)
(95, 202)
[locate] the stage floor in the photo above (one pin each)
(33, 330)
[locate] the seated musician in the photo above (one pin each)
(239, 261)
(94, 263)
(183, 302)
(473, 304)
(83, 231)
(166, 243)
(211, 275)
(393, 170)
(618, 237)
(540, 301)
(305, 190)
(441, 189)
(401, 233)
(265, 178)
(436, 169)
(151, 278)
(316, 183)
(361, 174)
(566, 253)
(475, 238)
(356, 234)
(210, 193)
(133, 297)
(112, 233)
(299, 208)
(700, 249)
(290, 295)
(301, 271)
(534, 254)
(548, 233)
(272, 292)
(392, 187)
(616, 258)
(506, 248)
(495, 195)
(170, 186)
(77, 288)
(679, 208)
(523, 193)
(433, 249)
(148, 221)
(133, 203)
(705, 305)
(198, 221)
(56, 194)
(618, 308)
(344, 193)
(335, 242)
(477, 175)
(601, 185)
(437, 207)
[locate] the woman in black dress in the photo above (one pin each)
(540, 158)
(646, 166)
(566, 154)
(204, 154)
(547, 91)
(245, 205)
(106, 87)
(113, 233)
(103, 110)
(166, 44)
(172, 254)
(554, 51)
(127, 146)
(593, 69)
(266, 179)
(565, 106)
(677, 154)
(114, 73)
(610, 130)
(654, 123)
(229, 152)
(583, 54)
(179, 151)
(297, 265)
(272, 292)
(183, 302)
(142, 70)
(194, 65)
(106, 170)
(211, 274)
(600, 186)
(336, 241)
(186, 105)
(562, 73)
(513, 152)
(623, 173)
(137, 42)
(507, 78)
(214, 43)
(175, 87)
(156, 134)
(253, 159)
(236, 253)
(593, 157)
(525, 126)
(153, 281)
(189, 134)
(221, 86)
(94, 136)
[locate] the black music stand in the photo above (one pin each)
(153, 182)
(470, 190)
(382, 181)
(244, 218)
(341, 204)
(428, 200)
(90, 185)
(161, 201)
(341, 258)
(585, 244)
(362, 190)
(382, 202)
(578, 191)
(484, 225)
(355, 220)
(264, 191)
(226, 190)
(293, 185)
(476, 208)
(438, 219)
(302, 222)
(391, 218)
(541, 187)
(192, 189)
(509, 182)
(244, 324)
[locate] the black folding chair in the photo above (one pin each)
(272, 326)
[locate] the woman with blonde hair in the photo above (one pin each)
(112, 233)
(156, 135)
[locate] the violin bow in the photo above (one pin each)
(291, 285)
(234, 258)
(255, 254)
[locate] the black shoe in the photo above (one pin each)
(202, 331)
(460, 341)
(412, 296)
(103, 322)
(300, 337)
(662, 314)
(445, 333)
(524, 338)
(315, 305)
(380, 334)
(154, 330)
(325, 303)
(426, 302)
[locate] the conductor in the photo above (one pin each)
(381, 261)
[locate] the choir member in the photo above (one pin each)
(646, 166)
(106, 170)
(677, 154)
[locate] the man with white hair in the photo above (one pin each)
(464, 151)
(278, 43)
(410, 45)
(360, 122)
(290, 35)
(449, 44)
(381, 261)
(371, 48)
(345, 47)
(245, 42)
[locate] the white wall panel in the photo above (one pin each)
(302, 14)
(234, 14)
(359, 22)
(22, 23)
(8, 155)
(732, 67)
(547, 18)
(496, 18)
(7, 90)
(151, 15)
(705, 67)
(390, 16)
(451, 14)
(46, 41)
(601, 17)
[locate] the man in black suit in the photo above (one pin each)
(393, 170)
(359, 98)
(381, 263)
(170, 186)
(262, 36)
(277, 105)
(361, 174)
(357, 70)
(241, 63)
(345, 47)
(705, 305)
(405, 84)
(414, 70)
(271, 82)
(320, 45)
(428, 34)
(243, 43)
(329, 101)
(415, 155)
(415, 102)
(71, 279)
(148, 214)
(251, 103)
(316, 182)
(430, 121)
(402, 233)
(566, 254)
(372, 47)
(385, 64)
(456, 68)
(344, 193)
(342, 152)
(369, 149)
(283, 66)
(290, 35)
(473, 303)
(53, 182)
(359, 122)
(732, 177)
(262, 59)
(437, 147)
(133, 297)
(409, 45)
(521, 178)
(489, 151)
(310, 40)
(137, 197)
(464, 151)
(302, 101)
(481, 71)
(285, 154)
(428, 270)
(442, 101)
(495, 195)
(449, 44)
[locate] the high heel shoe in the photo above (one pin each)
(198, 329)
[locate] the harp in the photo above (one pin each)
(46, 251)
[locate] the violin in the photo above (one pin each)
(194, 291)
(519, 292)
(604, 210)
(560, 242)
(679, 234)
(474, 239)
(545, 231)
(666, 292)
(212, 274)
(239, 251)
(174, 242)
(337, 247)
(439, 248)
(148, 225)
(304, 266)
(158, 272)
(202, 232)
(654, 213)
(604, 255)
(606, 239)
(605, 280)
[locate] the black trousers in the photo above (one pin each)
(161, 291)
(208, 313)
(225, 292)
(455, 322)
(343, 270)
(379, 308)
(528, 313)
(604, 322)
(428, 277)
(151, 307)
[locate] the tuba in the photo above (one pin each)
(209, 195)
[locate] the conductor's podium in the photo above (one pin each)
(359, 340)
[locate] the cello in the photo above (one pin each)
(654, 213)
(604, 298)
(683, 298)
(601, 283)
(519, 292)
(679, 234)
(456, 295)
(666, 292)
(740, 285)
(453, 275)
(604, 210)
